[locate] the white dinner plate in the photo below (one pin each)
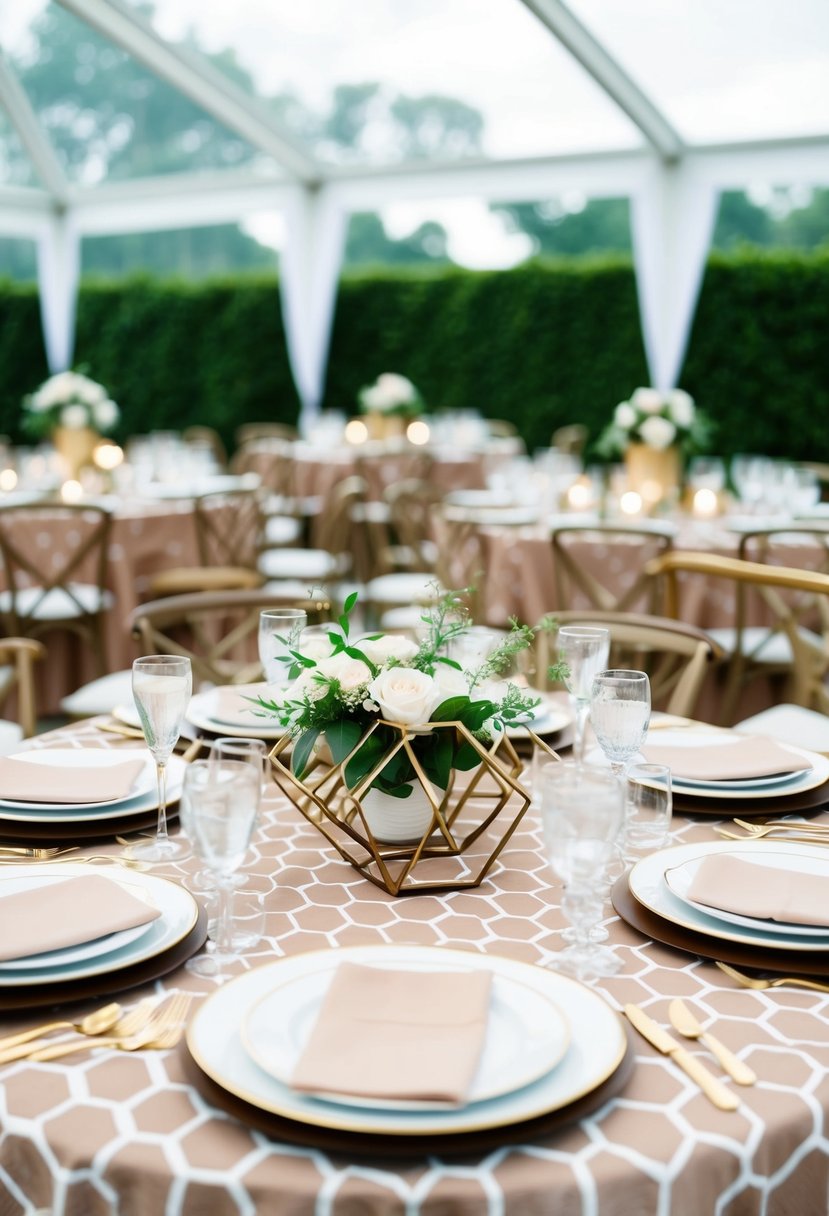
(128, 714)
(549, 717)
(679, 880)
(199, 715)
(74, 954)
(179, 912)
(795, 783)
(61, 757)
(66, 813)
(526, 1036)
(649, 886)
(596, 1049)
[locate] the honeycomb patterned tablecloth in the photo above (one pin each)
(108, 1134)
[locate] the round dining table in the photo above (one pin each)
(106, 1133)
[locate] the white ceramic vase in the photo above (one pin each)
(398, 820)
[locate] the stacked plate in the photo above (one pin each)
(231, 710)
(57, 820)
(550, 1042)
(799, 784)
(656, 897)
(108, 962)
(548, 718)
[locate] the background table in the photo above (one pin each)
(108, 1134)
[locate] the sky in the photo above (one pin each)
(721, 70)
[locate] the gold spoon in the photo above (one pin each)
(683, 1020)
(758, 983)
(94, 1023)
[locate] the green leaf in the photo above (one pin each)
(364, 760)
(450, 710)
(466, 757)
(350, 601)
(342, 737)
(303, 747)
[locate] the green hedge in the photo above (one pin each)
(543, 345)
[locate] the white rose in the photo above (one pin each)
(450, 681)
(681, 408)
(388, 646)
(657, 433)
(372, 399)
(74, 416)
(624, 415)
(105, 414)
(316, 648)
(56, 390)
(349, 673)
(648, 400)
(396, 389)
(406, 695)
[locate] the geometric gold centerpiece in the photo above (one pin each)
(464, 829)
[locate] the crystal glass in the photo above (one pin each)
(248, 751)
(279, 633)
(648, 808)
(222, 801)
(620, 711)
(585, 650)
(161, 686)
(582, 812)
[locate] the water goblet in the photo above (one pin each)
(585, 650)
(161, 686)
(279, 634)
(620, 710)
(222, 798)
(582, 812)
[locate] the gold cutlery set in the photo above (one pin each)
(779, 830)
(152, 1024)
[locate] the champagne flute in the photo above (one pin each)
(161, 686)
(585, 649)
(582, 812)
(222, 798)
(620, 711)
(279, 634)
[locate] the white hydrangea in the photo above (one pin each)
(658, 432)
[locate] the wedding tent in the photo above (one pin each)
(662, 102)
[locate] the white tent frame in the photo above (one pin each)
(673, 189)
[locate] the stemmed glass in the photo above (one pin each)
(279, 634)
(582, 812)
(620, 711)
(161, 686)
(585, 650)
(222, 798)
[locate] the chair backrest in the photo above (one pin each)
(272, 459)
(776, 596)
(264, 430)
(217, 631)
(675, 656)
(229, 528)
(334, 528)
(570, 439)
(48, 548)
(460, 561)
(602, 566)
(17, 659)
(382, 468)
(207, 437)
(410, 504)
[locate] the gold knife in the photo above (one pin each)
(714, 1090)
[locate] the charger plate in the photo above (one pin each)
(596, 1050)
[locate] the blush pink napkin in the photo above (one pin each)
(765, 892)
(66, 913)
(27, 781)
(228, 704)
(741, 758)
(412, 1035)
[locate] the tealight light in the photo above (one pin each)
(356, 431)
(418, 432)
(108, 456)
(630, 503)
(580, 495)
(71, 491)
(652, 492)
(706, 503)
(8, 480)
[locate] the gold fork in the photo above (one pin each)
(158, 1030)
(28, 1042)
(767, 833)
(30, 853)
(788, 825)
(781, 981)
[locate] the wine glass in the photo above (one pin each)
(222, 798)
(585, 650)
(161, 686)
(279, 634)
(582, 812)
(620, 711)
(249, 751)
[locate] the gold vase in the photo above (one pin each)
(386, 426)
(654, 473)
(75, 446)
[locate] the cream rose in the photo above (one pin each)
(648, 400)
(387, 647)
(657, 433)
(406, 695)
(681, 407)
(74, 416)
(349, 673)
(625, 415)
(450, 681)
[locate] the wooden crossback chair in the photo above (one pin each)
(216, 631)
(632, 545)
(60, 585)
(228, 527)
(785, 647)
(17, 659)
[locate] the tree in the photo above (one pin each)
(602, 226)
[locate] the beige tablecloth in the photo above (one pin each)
(106, 1134)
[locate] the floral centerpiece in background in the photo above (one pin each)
(70, 400)
(389, 404)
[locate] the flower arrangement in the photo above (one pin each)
(659, 420)
(391, 394)
(341, 688)
(72, 400)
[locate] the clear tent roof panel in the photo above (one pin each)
(15, 166)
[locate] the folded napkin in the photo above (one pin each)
(229, 704)
(66, 913)
(740, 758)
(28, 781)
(764, 892)
(410, 1035)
